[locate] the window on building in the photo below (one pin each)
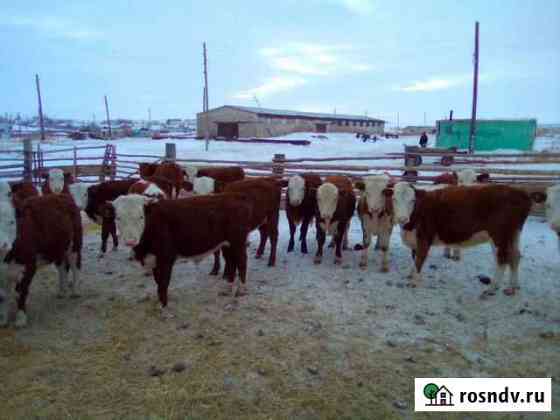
(346, 122)
(361, 123)
(339, 122)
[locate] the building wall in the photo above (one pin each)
(253, 125)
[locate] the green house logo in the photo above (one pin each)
(438, 396)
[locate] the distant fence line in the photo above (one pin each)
(32, 165)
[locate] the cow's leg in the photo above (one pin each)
(227, 288)
(456, 255)
(514, 258)
(240, 254)
(366, 236)
(162, 276)
(292, 226)
(303, 234)
(62, 279)
(501, 251)
(73, 260)
(114, 235)
(338, 237)
(5, 294)
(321, 237)
(422, 250)
(345, 238)
(272, 226)
(23, 290)
(263, 237)
(216, 267)
(105, 230)
(384, 240)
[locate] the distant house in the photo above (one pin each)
(242, 121)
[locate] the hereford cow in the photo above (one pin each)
(264, 195)
(336, 203)
(375, 209)
(169, 171)
(21, 191)
(57, 181)
(101, 213)
(553, 209)
(194, 228)
(301, 206)
(8, 229)
(464, 216)
(51, 232)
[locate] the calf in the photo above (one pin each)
(553, 209)
(264, 195)
(21, 191)
(8, 229)
(301, 206)
(57, 181)
(464, 216)
(194, 228)
(51, 232)
(147, 188)
(101, 213)
(173, 173)
(336, 203)
(375, 209)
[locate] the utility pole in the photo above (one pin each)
(472, 133)
(398, 121)
(205, 99)
(424, 119)
(41, 121)
(108, 118)
(451, 115)
(149, 117)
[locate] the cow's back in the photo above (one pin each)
(224, 174)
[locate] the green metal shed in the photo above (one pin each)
(489, 134)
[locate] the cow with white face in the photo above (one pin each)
(7, 238)
(129, 217)
(296, 190)
(204, 185)
(56, 180)
(190, 172)
(375, 210)
(79, 192)
(553, 209)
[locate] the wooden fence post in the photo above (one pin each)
(27, 160)
(278, 164)
(170, 152)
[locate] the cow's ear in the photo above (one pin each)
(388, 192)
(360, 185)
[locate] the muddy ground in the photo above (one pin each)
(308, 342)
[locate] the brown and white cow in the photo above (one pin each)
(336, 203)
(264, 195)
(552, 208)
(57, 181)
(51, 232)
(464, 216)
(301, 206)
(375, 209)
(193, 228)
(166, 170)
(101, 213)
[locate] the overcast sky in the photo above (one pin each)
(358, 56)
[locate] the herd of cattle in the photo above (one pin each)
(176, 212)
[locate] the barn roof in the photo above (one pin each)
(300, 114)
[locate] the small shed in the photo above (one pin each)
(489, 134)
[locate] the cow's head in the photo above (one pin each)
(466, 177)
(296, 190)
(552, 206)
(129, 217)
(404, 199)
(56, 180)
(375, 192)
(327, 200)
(204, 185)
(190, 172)
(5, 191)
(154, 192)
(7, 225)
(79, 193)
